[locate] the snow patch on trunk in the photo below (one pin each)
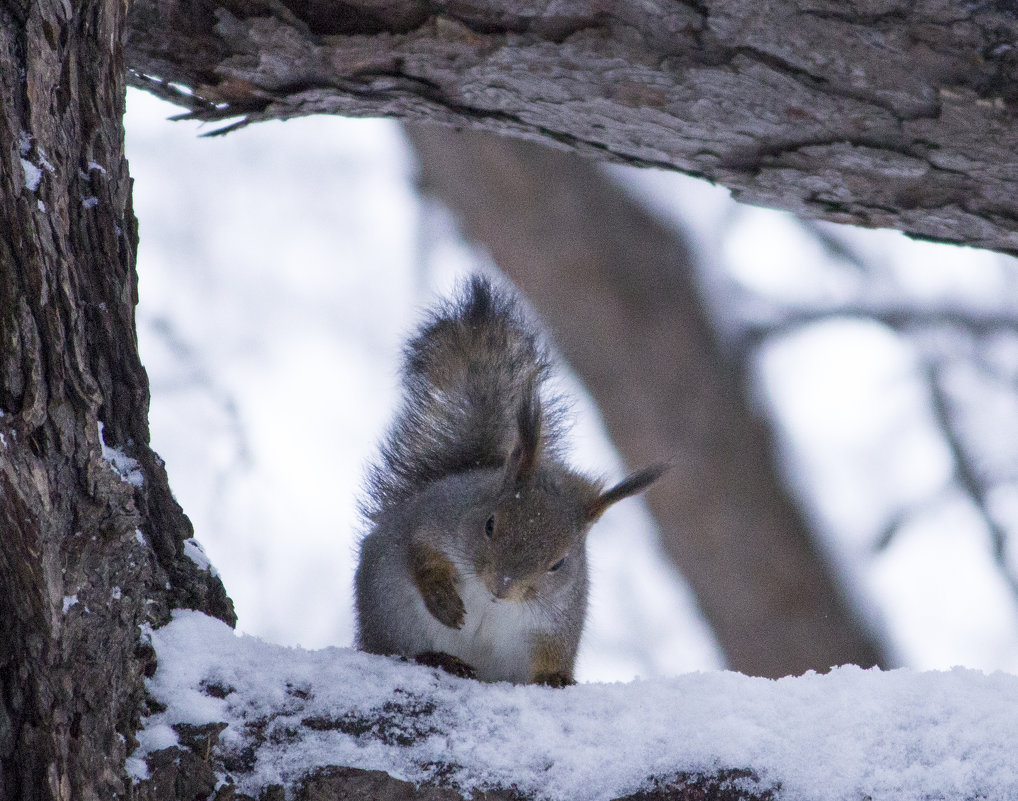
(123, 465)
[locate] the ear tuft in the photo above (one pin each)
(522, 461)
(630, 485)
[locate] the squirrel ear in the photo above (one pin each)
(523, 459)
(630, 485)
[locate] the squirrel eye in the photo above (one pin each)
(557, 565)
(489, 527)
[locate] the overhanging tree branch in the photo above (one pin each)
(898, 117)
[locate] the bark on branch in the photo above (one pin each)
(886, 114)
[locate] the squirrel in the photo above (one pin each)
(475, 557)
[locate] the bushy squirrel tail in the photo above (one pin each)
(474, 365)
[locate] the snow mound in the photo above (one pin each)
(849, 734)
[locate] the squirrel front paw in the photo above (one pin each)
(550, 663)
(445, 604)
(447, 662)
(435, 578)
(557, 680)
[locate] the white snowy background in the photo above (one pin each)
(282, 266)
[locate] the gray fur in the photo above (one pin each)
(470, 484)
(464, 378)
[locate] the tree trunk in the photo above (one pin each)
(881, 114)
(617, 290)
(92, 540)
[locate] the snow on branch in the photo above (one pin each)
(260, 718)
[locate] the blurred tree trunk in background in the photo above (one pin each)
(90, 550)
(617, 289)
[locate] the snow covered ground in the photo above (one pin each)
(282, 266)
(848, 735)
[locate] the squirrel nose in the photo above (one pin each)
(502, 586)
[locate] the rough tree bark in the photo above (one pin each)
(617, 290)
(91, 548)
(879, 112)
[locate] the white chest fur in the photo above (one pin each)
(496, 637)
